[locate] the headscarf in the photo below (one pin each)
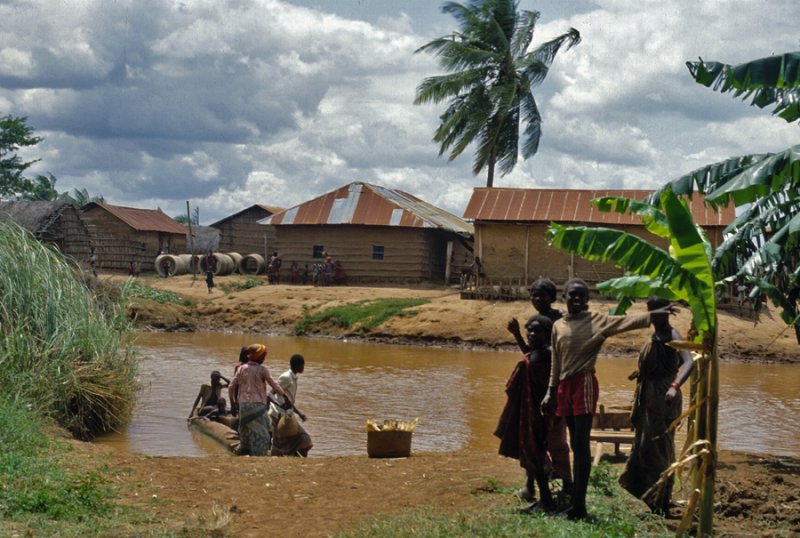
(256, 352)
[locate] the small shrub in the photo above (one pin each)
(141, 291)
(230, 287)
(362, 315)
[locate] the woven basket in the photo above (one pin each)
(390, 444)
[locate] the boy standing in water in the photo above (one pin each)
(522, 428)
(577, 339)
(299, 442)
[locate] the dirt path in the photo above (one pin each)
(757, 495)
(249, 497)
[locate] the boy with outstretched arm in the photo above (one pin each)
(576, 341)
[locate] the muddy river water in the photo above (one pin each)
(457, 394)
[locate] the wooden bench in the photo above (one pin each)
(611, 426)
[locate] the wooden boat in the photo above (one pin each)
(221, 432)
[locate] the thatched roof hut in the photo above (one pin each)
(54, 222)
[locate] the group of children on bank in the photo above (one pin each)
(554, 389)
(265, 420)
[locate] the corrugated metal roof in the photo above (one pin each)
(571, 205)
(371, 205)
(271, 210)
(142, 220)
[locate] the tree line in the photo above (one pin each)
(15, 135)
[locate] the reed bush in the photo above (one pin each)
(64, 352)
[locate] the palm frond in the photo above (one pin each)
(439, 88)
(523, 34)
(532, 120)
(546, 52)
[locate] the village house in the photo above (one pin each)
(379, 235)
(123, 235)
(242, 233)
(510, 227)
(56, 222)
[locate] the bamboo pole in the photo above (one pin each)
(709, 474)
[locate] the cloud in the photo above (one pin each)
(228, 104)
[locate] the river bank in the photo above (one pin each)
(445, 320)
(319, 496)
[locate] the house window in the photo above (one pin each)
(318, 251)
(377, 252)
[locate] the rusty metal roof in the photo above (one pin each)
(142, 220)
(370, 205)
(571, 205)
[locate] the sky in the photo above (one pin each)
(225, 104)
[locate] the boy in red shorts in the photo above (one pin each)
(577, 339)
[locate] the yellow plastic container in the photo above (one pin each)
(389, 444)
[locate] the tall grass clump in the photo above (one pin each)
(66, 354)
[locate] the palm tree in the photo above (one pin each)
(763, 243)
(489, 88)
(42, 188)
(80, 197)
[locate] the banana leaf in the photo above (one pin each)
(654, 220)
(771, 80)
(780, 171)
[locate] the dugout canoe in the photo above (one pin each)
(222, 434)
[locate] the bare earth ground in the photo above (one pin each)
(757, 495)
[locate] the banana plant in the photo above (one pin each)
(762, 247)
(681, 273)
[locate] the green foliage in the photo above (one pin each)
(763, 243)
(614, 513)
(364, 315)
(80, 197)
(42, 188)
(489, 88)
(774, 80)
(15, 135)
(241, 286)
(61, 350)
(141, 291)
(33, 476)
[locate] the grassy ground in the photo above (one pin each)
(614, 513)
